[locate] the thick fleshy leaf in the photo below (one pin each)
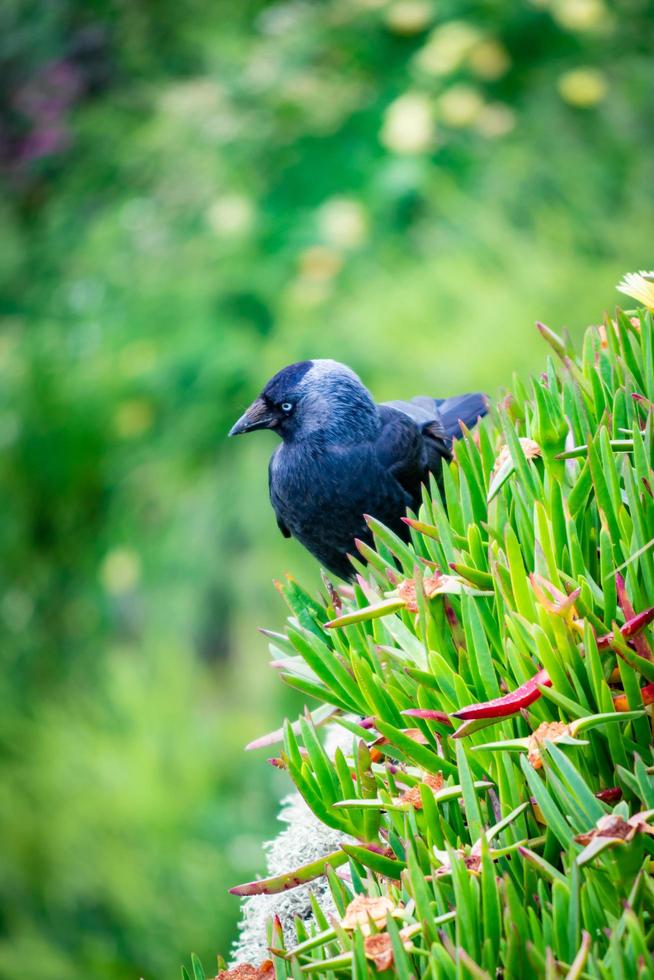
(291, 879)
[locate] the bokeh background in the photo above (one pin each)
(194, 194)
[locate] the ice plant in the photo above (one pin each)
(631, 630)
(552, 599)
(621, 701)
(523, 604)
(294, 878)
(554, 732)
(509, 703)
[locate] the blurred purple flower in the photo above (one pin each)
(43, 102)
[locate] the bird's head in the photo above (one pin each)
(311, 398)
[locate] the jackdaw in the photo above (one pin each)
(343, 456)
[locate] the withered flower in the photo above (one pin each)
(472, 860)
(433, 585)
(617, 829)
(601, 329)
(364, 908)
(412, 795)
(415, 734)
(441, 584)
(379, 949)
(530, 448)
(407, 591)
(245, 971)
(612, 830)
(550, 731)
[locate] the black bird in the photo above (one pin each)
(343, 456)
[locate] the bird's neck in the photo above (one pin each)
(336, 428)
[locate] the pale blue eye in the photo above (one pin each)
(287, 406)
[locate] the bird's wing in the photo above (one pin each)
(461, 408)
(436, 440)
(273, 497)
(421, 409)
(440, 419)
(400, 448)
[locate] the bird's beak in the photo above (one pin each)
(258, 416)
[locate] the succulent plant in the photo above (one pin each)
(496, 677)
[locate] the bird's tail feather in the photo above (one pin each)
(461, 408)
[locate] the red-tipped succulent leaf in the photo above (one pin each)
(509, 703)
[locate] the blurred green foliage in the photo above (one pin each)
(194, 195)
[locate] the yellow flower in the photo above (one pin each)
(231, 215)
(194, 98)
(640, 286)
(489, 59)
(495, 119)
(408, 126)
(580, 15)
(409, 16)
(460, 106)
(343, 222)
(447, 47)
(319, 263)
(133, 417)
(137, 358)
(120, 571)
(583, 87)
